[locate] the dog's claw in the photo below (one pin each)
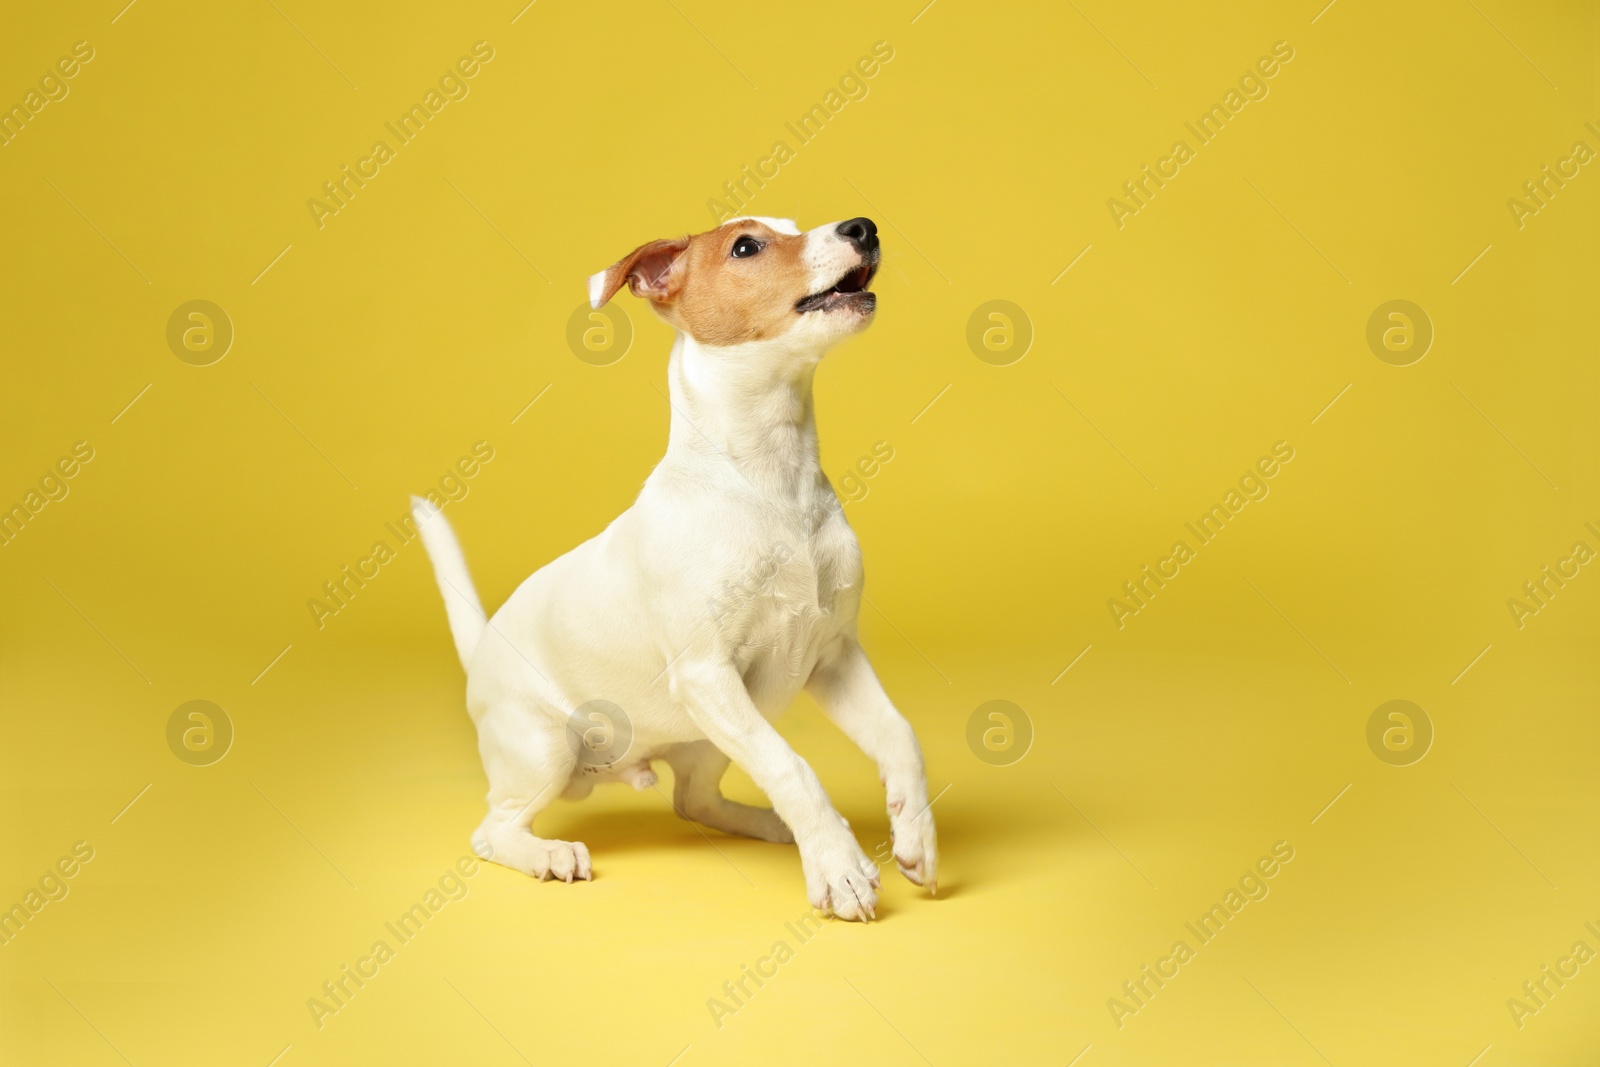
(843, 883)
(916, 847)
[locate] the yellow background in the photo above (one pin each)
(1223, 317)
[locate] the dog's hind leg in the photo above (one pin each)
(697, 770)
(529, 761)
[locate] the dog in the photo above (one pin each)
(699, 614)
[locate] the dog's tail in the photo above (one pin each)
(461, 604)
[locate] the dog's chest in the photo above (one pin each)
(793, 599)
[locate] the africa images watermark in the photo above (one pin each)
(852, 87)
(1541, 190)
(763, 969)
(1541, 589)
(1252, 886)
(340, 590)
(338, 991)
(53, 886)
(1538, 992)
(452, 87)
(53, 88)
(1152, 579)
(53, 487)
(854, 481)
(1140, 190)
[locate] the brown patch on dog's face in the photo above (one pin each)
(746, 281)
(741, 283)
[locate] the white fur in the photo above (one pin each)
(461, 603)
(731, 584)
(781, 225)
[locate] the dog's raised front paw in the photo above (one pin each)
(916, 849)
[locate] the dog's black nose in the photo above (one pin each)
(861, 233)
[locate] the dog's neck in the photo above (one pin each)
(749, 407)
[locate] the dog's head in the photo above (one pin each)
(755, 279)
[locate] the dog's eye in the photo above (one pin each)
(745, 247)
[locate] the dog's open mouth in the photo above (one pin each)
(848, 292)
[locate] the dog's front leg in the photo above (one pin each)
(848, 690)
(839, 877)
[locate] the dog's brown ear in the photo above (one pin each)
(647, 271)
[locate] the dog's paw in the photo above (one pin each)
(841, 881)
(563, 860)
(916, 849)
(536, 857)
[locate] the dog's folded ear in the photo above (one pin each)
(648, 271)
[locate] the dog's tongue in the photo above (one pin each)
(851, 284)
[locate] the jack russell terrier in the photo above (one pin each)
(731, 584)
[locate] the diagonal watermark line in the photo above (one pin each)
(1330, 403)
(99, 231)
(130, 804)
(497, 230)
(1108, 840)
(1504, 438)
(522, 809)
(1323, 12)
(123, 12)
(1513, 44)
(702, 833)
(1504, 838)
(923, 12)
(1474, 263)
(1080, 1055)
(308, 440)
(903, 637)
(314, 47)
(530, 404)
(523, 12)
(891, 1025)
(1071, 665)
(308, 840)
(1113, 44)
(281, 1055)
(1469, 666)
(1292, 1026)
(486, 1019)
(1480, 1055)
(1297, 630)
(713, 45)
(271, 665)
(92, 1026)
(668, 665)
(130, 404)
(1107, 440)
(685, 1050)
(95, 628)
(1330, 804)
(274, 263)
(937, 797)
(1074, 263)
(879, 212)
(1299, 231)
(930, 404)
